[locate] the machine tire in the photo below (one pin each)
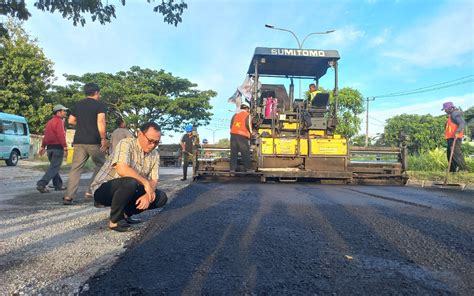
(13, 159)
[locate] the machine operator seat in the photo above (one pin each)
(317, 111)
(319, 105)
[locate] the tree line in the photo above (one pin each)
(420, 133)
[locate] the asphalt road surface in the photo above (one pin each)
(301, 238)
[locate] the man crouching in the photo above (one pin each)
(127, 181)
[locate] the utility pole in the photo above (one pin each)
(368, 99)
(214, 134)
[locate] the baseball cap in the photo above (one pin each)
(59, 107)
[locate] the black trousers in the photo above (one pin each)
(240, 144)
(55, 157)
(186, 158)
(121, 194)
(458, 157)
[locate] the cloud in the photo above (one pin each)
(380, 39)
(342, 38)
(441, 41)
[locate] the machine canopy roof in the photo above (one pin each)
(292, 62)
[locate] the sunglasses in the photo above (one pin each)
(150, 141)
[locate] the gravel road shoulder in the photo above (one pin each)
(48, 248)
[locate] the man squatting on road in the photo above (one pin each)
(127, 181)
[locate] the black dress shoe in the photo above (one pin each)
(131, 220)
(98, 205)
(42, 189)
(62, 188)
(183, 179)
(122, 226)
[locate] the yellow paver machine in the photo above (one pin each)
(295, 139)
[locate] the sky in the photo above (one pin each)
(386, 47)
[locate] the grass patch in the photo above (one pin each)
(431, 166)
(459, 177)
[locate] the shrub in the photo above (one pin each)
(434, 161)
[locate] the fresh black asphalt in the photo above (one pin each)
(234, 238)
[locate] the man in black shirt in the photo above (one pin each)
(187, 149)
(89, 140)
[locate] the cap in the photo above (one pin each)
(205, 141)
(189, 128)
(59, 107)
(447, 105)
(245, 105)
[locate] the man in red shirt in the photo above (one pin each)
(54, 143)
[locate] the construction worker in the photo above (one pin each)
(312, 92)
(240, 131)
(187, 145)
(453, 134)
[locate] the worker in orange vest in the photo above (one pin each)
(240, 131)
(453, 134)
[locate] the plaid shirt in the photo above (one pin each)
(129, 152)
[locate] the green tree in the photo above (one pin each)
(423, 132)
(350, 106)
(141, 95)
(224, 142)
(75, 10)
(25, 76)
(359, 140)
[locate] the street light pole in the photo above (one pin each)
(300, 45)
(214, 134)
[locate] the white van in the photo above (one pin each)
(14, 138)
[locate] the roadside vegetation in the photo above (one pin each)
(432, 166)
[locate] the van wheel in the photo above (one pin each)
(13, 160)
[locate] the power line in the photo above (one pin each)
(376, 124)
(380, 121)
(437, 86)
(220, 119)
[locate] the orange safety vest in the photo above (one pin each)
(450, 131)
(239, 124)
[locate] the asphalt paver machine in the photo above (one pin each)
(295, 139)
